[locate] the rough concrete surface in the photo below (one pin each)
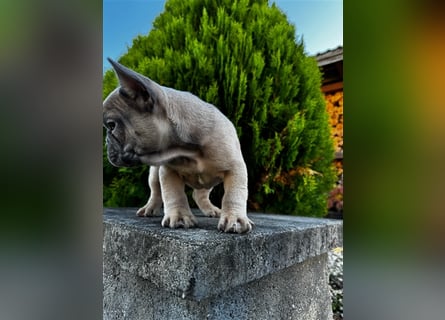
(278, 270)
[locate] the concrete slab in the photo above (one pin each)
(198, 263)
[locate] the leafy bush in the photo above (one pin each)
(243, 57)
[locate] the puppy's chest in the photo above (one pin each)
(197, 174)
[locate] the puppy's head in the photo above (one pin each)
(135, 118)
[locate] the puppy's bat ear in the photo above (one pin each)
(130, 81)
(145, 93)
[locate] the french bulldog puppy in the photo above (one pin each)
(186, 141)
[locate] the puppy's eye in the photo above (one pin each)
(111, 125)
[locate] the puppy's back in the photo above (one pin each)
(196, 115)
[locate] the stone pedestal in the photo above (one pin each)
(278, 271)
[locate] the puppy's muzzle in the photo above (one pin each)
(118, 155)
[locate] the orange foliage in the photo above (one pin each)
(334, 105)
(339, 166)
(287, 177)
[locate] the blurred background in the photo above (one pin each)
(51, 164)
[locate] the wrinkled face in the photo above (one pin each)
(132, 131)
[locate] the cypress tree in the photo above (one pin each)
(243, 57)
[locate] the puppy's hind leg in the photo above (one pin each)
(201, 197)
(154, 203)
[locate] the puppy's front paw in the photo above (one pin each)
(179, 218)
(152, 208)
(235, 223)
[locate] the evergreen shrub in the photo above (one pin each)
(242, 56)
